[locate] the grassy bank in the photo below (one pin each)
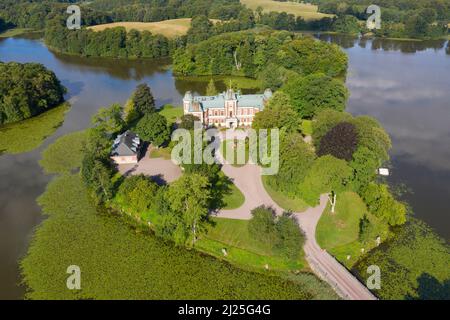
(285, 202)
(14, 32)
(27, 135)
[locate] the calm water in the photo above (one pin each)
(403, 84)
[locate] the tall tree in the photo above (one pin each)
(153, 128)
(143, 100)
(211, 89)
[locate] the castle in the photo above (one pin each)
(228, 109)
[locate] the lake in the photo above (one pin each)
(404, 84)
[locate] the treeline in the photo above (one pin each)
(27, 90)
(113, 42)
(266, 54)
(413, 19)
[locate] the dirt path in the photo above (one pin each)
(248, 180)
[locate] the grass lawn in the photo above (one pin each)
(165, 153)
(14, 32)
(242, 250)
(338, 232)
(234, 199)
(65, 154)
(171, 113)
(285, 202)
(169, 28)
(307, 11)
(29, 134)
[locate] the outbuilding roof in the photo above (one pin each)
(126, 144)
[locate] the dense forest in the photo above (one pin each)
(27, 90)
(262, 53)
(399, 18)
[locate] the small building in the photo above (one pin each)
(126, 148)
(228, 109)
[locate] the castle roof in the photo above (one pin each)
(218, 101)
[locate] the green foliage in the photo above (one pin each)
(382, 204)
(311, 94)
(138, 193)
(282, 235)
(27, 90)
(109, 120)
(134, 264)
(29, 134)
(324, 121)
(171, 113)
(153, 128)
(278, 113)
(414, 264)
(346, 24)
(326, 174)
(296, 158)
(250, 53)
(341, 141)
(187, 121)
(187, 215)
(365, 230)
(65, 154)
(201, 29)
(290, 238)
(143, 100)
(261, 226)
(211, 89)
(233, 198)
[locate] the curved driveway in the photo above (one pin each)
(248, 180)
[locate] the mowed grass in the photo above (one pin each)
(171, 113)
(285, 202)
(29, 134)
(306, 11)
(169, 28)
(338, 232)
(233, 199)
(242, 250)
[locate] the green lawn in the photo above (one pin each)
(285, 202)
(234, 199)
(338, 232)
(171, 113)
(242, 250)
(28, 134)
(65, 154)
(165, 153)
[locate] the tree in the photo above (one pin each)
(382, 204)
(366, 230)
(138, 193)
(201, 29)
(313, 93)
(296, 158)
(211, 88)
(187, 121)
(290, 237)
(364, 164)
(188, 199)
(324, 121)
(109, 120)
(346, 24)
(326, 174)
(341, 141)
(261, 226)
(143, 100)
(153, 128)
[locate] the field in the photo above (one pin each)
(171, 113)
(306, 11)
(169, 28)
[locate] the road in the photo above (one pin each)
(248, 180)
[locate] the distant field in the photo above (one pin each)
(169, 28)
(307, 11)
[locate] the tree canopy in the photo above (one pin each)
(153, 128)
